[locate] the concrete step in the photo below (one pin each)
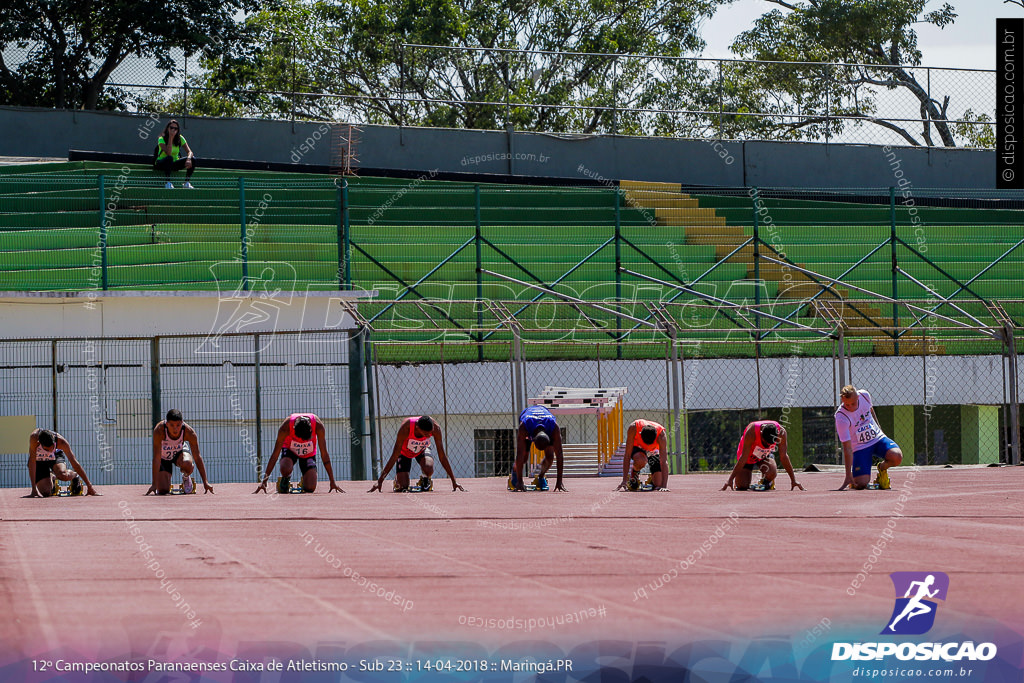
(650, 185)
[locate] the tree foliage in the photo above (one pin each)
(351, 59)
(872, 46)
(71, 47)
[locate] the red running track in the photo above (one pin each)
(478, 566)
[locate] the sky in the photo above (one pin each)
(968, 43)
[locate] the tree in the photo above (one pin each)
(485, 56)
(877, 35)
(72, 47)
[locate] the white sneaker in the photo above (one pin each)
(187, 485)
(188, 185)
(169, 185)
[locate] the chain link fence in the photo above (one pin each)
(105, 395)
(947, 400)
(569, 92)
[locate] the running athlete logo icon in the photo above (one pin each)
(914, 613)
(251, 304)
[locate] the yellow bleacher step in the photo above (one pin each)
(650, 185)
(687, 213)
(668, 202)
(908, 347)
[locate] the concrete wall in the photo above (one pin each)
(55, 315)
(44, 132)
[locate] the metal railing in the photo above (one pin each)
(587, 93)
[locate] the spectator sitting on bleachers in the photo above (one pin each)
(168, 154)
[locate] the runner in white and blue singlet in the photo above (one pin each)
(863, 440)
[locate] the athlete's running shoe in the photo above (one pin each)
(187, 485)
(634, 484)
(284, 484)
(767, 485)
(883, 480)
(400, 489)
(540, 483)
(188, 185)
(169, 185)
(425, 483)
(512, 482)
(76, 486)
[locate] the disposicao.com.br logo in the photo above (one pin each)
(914, 614)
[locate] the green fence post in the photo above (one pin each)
(243, 236)
(346, 234)
(757, 265)
(258, 389)
(154, 379)
(618, 271)
(103, 232)
(340, 237)
(371, 413)
(356, 375)
(479, 276)
(895, 265)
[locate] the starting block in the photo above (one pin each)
(293, 487)
(60, 490)
(179, 489)
(526, 486)
(761, 487)
(415, 488)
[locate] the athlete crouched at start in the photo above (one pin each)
(49, 455)
(648, 445)
(758, 445)
(299, 439)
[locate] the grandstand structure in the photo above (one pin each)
(702, 296)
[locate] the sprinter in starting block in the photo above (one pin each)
(647, 445)
(760, 442)
(413, 443)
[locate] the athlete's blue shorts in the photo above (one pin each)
(862, 458)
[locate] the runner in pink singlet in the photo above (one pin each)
(413, 443)
(760, 442)
(299, 439)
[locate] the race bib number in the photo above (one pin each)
(417, 446)
(302, 448)
(866, 433)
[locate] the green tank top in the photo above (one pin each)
(175, 149)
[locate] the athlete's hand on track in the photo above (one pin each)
(621, 487)
(335, 487)
(209, 489)
(662, 489)
(152, 489)
(261, 487)
(379, 486)
(796, 485)
(560, 487)
(846, 482)
(728, 485)
(91, 492)
(456, 487)
(35, 493)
